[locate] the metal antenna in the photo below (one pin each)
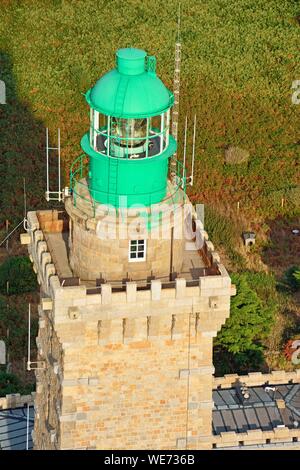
(30, 364)
(47, 163)
(193, 153)
(27, 428)
(59, 182)
(178, 23)
(53, 195)
(176, 86)
(29, 334)
(184, 151)
(25, 204)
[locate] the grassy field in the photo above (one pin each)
(239, 60)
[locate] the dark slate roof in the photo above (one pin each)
(13, 428)
(260, 411)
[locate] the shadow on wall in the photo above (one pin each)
(22, 152)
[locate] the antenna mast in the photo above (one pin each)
(193, 154)
(53, 195)
(184, 153)
(176, 86)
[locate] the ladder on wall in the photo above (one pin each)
(113, 167)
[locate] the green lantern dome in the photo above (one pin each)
(129, 142)
(132, 89)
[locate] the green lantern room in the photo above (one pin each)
(128, 144)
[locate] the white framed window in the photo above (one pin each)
(137, 250)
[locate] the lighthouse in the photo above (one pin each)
(129, 304)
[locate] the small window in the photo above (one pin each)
(137, 250)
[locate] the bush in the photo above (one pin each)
(18, 272)
(292, 278)
(15, 319)
(239, 344)
(9, 383)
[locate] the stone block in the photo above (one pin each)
(106, 294)
(94, 381)
(67, 417)
(128, 329)
(184, 373)
(155, 289)
(46, 303)
(210, 246)
(180, 287)
(215, 257)
(38, 236)
(25, 238)
(213, 302)
(131, 291)
(33, 220)
(103, 331)
(181, 443)
(83, 381)
(74, 313)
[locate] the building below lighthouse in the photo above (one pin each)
(132, 291)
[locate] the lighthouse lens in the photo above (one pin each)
(129, 132)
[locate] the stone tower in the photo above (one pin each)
(132, 292)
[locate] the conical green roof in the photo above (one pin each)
(130, 90)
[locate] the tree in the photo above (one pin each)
(18, 272)
(249, 323)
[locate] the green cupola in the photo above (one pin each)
(129, 142)
(132, 89)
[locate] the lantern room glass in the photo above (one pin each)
(131, 132)
(129, 138)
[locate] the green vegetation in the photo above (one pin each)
(10, 383)
(292, 278)
(240, 343)
(223, 232)
(13, 320)
(18, 273)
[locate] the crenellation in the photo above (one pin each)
(131, 291)
(45, 259)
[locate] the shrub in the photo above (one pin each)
(18, 272)
(9, 383)
(292, 278)
(15, 319)
(239, 344)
